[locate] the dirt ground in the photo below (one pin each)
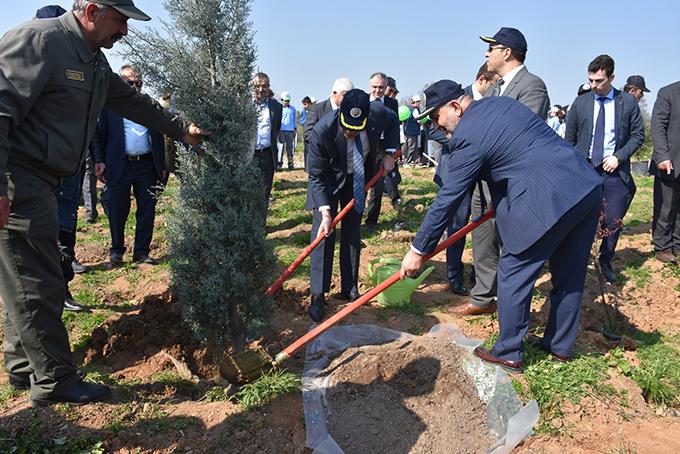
(142, 345)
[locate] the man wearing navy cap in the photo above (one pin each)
(635, 86)
(342, 157)
(547, 201)
(505, 56)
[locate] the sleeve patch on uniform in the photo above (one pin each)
(72, 74)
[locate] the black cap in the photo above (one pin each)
(126, 7)
(637, 81)
(354, 109)
(392, 83)
(47, 12)
(509, 37)
(584, 88)
(438, 94)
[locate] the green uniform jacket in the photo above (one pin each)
(52, 90)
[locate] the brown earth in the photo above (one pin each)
(146, 338)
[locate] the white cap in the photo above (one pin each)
(415, 98)
(313, 99)
(554, 109)
(285, 96)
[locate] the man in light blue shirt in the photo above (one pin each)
(288, 127)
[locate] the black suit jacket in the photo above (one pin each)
(109, 147)
(666, 130)
(630, 132)
(392, 104)
(327, 159)
(314, 114)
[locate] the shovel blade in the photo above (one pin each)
(245, 366)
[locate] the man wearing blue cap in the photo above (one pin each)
(343, 150)
(505, 56)
(547, 200)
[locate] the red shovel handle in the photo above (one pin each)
(375, 291)
(308, 250)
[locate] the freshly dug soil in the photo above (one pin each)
(405, 397)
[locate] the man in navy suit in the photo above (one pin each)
(343, 153)
(547, 201)
(606, 126)
(130, 157)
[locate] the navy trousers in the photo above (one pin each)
(617, 198)
(321, 259)
(454, 254)
(566, 247)
(140, 177)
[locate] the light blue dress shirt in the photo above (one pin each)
(288, 118)
(609, 124)
(137, 139)
(303, 116)
(263, 138)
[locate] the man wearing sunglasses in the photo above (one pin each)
(129, 157)
(547, 200)
(505, 56)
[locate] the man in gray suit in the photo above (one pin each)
(318, 110)
(606, 126)
(505, 56)
(665, 167)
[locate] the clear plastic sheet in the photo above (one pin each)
(508, 418)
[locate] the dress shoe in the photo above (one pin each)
(472, 309)
(145, 259)
(81, 392)
(370, 228)
(609, 275)
(22, 382)
(666, 256)
(537, 342)
(78, 267)
(457, 287)
(353, 295)
(72, 305)
(116, 258)
(317, 310)
(510, 366)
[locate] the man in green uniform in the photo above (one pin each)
(54, 82)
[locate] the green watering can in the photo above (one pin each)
(398, 294)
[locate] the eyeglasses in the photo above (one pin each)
(134, 83)
(492, 48)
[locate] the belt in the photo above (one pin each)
(262, 150)
(138, 157)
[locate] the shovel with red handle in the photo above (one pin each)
(308, 250)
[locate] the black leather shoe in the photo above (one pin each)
(353, 295)
(457, 287)
(609, 275)
(80, 393)
(317, 310)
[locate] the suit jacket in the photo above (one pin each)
(275, 113)
(534, 176)
(109, 147)
(327, 158)
(630, 132)
(666, 130)
(314, 114)
(528, 89)
(392, 104)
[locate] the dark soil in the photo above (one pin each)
(405, 397)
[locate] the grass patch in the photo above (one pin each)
(81, 324)
(658, 374)
(31, 440)
(635, 271)
(266, 388)
(8, 392)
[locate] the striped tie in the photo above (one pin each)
(358, 168)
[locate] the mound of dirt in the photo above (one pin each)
(405, 397)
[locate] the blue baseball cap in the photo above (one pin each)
(438, 94)
(354, 109)
(508, 37)
(47, 12)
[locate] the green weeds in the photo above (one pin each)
(266, 388)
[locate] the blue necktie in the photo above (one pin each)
(358, 169)
(597, 154)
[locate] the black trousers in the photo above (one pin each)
(321, 259)
(266, 164)
(666, 225)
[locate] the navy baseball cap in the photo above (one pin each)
(508, 37)
(47, 12)
(438, 94)
(354, 109)
(637, 81)
(126, 7)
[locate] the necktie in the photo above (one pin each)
(597, 153)
(358, 169)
